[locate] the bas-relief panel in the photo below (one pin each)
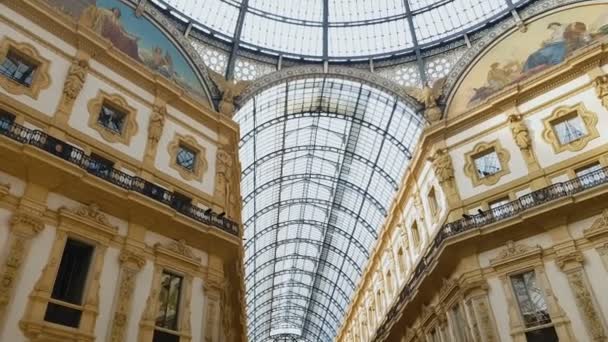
(135, 36)
(547, 42)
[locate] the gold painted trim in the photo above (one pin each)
(41, 79)
(503, 156)
(130, 124)
(200, 165)
(589, 118)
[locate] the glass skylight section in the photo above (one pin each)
(321, 161)
(355, 28)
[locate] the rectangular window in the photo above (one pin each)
(6, 120)
(169, 298)
(69, 286)
(487, 163)
(100, 166)
(569, 128)
(112, 118)
(186, 157)
(531, 299)
(18, 68)
(590, 174)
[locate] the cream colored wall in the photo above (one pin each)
(108, 288)
(163, 158)
(48, 98)
(544, 151)
(517, 164)
(500, 308)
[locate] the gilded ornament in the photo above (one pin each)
(520, 132)
(442, 163)
(427, 97)
(74, 82)
(230, 90)
(601, 89)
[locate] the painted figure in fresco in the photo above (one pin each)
(563, 40)
(106, 22)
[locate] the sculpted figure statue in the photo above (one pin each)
(521, 134)
(428, 96)
(230, 91)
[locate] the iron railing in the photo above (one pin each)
(125, 181)
(508, 210)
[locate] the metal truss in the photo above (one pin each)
(321, 202)
(327, 114)
(320, 148)
(309, 177)
(310, 225)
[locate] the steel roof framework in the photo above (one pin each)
(321, 159)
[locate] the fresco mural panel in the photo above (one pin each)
(548, 41)
(135, 36)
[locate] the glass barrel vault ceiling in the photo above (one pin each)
(321, 162)
(339, 28)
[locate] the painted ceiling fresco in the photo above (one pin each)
(548, 41)
(135, 36)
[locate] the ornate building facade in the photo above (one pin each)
(499, 231)
(119, 181)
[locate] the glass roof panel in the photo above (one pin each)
(355, 28)
(316, 188)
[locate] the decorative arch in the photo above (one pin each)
(493, 38)
(311, 71)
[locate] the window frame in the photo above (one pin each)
(588, 118)
(482, 149)
(117, 103)
(200, 162)
(41, 78)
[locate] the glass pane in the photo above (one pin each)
(531, 299)
(569, 129)
(186, 158)
(17, 68)
(542, 335)
(487, 164)
(73, 271)
(111, 119)
(169, 300)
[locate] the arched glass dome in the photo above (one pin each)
(339, 29)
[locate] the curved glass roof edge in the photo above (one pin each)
(309, 238)
(414, 45)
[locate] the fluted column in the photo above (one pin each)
(130, 265)
(572, 265)
(23, 228)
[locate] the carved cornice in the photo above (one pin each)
(514, 252)
(88, 220)
(128, 257)
(571, 258)
(599, 227)
(25, 223)
(4, 190)
(177, 254)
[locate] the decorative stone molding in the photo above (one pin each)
(129, 126)
(41, 79)
(131, 262)
(521, 135)
(176, 257)
(200, 166)
(23, 228)
(89, 222)
(444, 171)
(155, 130)
(599, 227)
(77, 74)
(571, 263)
(33, 324)
(601, 89)
(515, 252)
(212, 286)
(225, 177)
(480, 148)
(589, 119)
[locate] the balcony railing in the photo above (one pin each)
(77, 157)
(508, 210)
